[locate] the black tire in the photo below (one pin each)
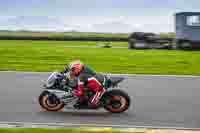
(43, 101)
(184, 45)
(117, 93)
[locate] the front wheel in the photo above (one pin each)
(50, 102)
(117, 101)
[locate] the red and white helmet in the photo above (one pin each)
(75, 65)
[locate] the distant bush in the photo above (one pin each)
(168, 35)
(80, 36)
(65, 36)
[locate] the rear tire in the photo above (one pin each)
(118, 97)
(45, 104)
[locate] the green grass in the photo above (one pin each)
(43, 130)
(50, 56)
(59, 43)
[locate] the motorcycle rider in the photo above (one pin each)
(86, 77)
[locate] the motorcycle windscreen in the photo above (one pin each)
(51, 79)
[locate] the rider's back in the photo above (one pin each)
(88, 73)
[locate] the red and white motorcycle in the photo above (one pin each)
(58, 89)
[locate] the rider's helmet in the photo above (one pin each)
(75, 67)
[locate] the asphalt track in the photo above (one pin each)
(158, 101)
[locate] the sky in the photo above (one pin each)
(117, 16)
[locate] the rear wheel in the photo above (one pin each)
(117, 101)
(50, 102)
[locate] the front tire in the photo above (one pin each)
(45, 103)
(117, 101)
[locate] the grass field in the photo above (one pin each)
(42, 130)
(50, 56)
(59, 43)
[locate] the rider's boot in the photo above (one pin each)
(94, 103)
